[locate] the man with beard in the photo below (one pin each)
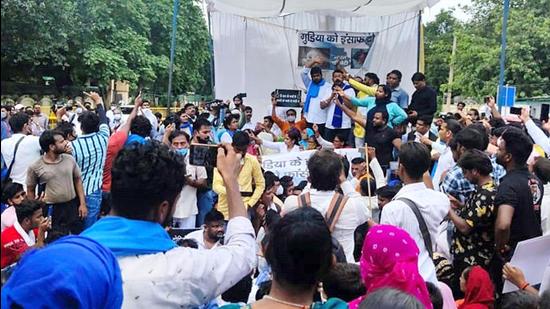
(337, 122)
(61, 175)
(146, 182)
(317, 90)
(383, 139)
(39, 121)
(211, 235)
(205, 196)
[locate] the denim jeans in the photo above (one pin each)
(205, 203)
(93, 203)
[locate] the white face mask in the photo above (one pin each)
(118, 116)
(291, 118)
(279, 190)
(79, 110)
(4, 115)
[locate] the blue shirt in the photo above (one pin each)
(400, 96)
(6, 130)
(89, 152)
(458, 186)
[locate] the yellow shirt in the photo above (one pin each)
(251, 173)
(364, 90)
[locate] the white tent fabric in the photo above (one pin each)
(258, 56)
(274, 8)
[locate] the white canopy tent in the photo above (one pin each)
(256, 41)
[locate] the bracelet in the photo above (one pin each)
(525, 286)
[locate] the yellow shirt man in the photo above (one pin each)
(364, 90)
(250, 174)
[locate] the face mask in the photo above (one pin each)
(291, 118)
(183, 151)
(4, 115)
(279, 190)
(118, 116)
(79, 110)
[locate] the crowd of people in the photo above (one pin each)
(428, 217)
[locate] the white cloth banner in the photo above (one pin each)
(257, 56)
(294, 164)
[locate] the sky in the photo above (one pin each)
(430, 13)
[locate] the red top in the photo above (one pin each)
(13, 245)
(116, 143)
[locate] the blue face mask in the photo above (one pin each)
(183, 151)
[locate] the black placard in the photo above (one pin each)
(288, 97)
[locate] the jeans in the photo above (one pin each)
(205, 203)
(93, 203)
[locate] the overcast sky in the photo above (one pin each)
(430, 13)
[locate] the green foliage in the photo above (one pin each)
(476, 66)
(103, 40)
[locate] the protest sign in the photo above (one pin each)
(348, 49)
(288, 97)
(294, 164)
(531, 256)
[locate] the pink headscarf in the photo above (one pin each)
(389, 259)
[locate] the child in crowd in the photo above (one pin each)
(12, 196)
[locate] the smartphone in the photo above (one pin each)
(242, 95)
(515, 110)
(203, 155)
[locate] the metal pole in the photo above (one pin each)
(451, 76)
(172, 50)
(506, 10)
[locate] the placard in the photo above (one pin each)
(288, 97)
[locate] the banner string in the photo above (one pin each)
(263, 21)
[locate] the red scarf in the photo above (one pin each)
(479, 290)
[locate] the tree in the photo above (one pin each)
(103, 40)
(478, 49)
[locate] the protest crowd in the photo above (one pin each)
(100, 212)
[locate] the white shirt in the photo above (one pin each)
(198, 236)
(433, 206)
(315, 113)
(27, 153)
(267, 137)
(346, 121)
(249, 126)
(280, 146)
(444, 164)
(544, 210)
(29, 237)
(226, 138)
(186, 205)
(9, 217)
(355, 213)
(186, 277)
(485, 109)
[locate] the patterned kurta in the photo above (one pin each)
(478, 247)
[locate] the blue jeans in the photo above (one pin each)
(205, 203)
(93, 203)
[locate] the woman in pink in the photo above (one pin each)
(390, 260)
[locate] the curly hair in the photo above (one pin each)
(144, 176)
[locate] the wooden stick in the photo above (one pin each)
(368, 176)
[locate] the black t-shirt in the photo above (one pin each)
(424, 101)
(523, 191)
(381, 139)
